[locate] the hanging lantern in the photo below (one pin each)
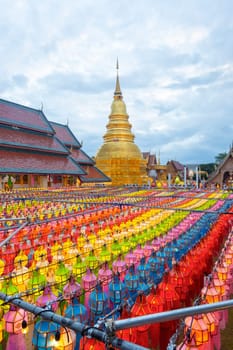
(76, 311)
(198, 329)
(157, 304)
(105, 276)
(119, 266)
(47, 298)
(20, 260)
(44, 334)
(130, 258)
(117, 291)
(105, 254)
(91, 261)
(98, 302)
(14, 318)
(72, 289)
(88, 283)
(65, 341)
(36, 283)
(139, 252)
(79, 268)
(20, 277)
(87, 248)
(8, 288)
(131, 282)
(61, 275)
(115, 249)
(143, 269)
(141, 335)
(125, 334)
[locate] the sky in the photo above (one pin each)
(175, 69)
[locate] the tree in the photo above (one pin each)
(219, 157)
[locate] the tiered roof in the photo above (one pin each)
(28, 143)
(92, 173)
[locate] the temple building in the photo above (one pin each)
(34, 154)
(119, 157)
(223, 175)
(86, 163)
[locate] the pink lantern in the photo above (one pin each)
(14, 318)
(130, 258)
(119, 266)
(139, 252)
(88, 283)
(72, 289)
(105, 276)
(47, 298)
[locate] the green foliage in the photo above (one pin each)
(209, 168)
(219, 157)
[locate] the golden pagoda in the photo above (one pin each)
(119, 157)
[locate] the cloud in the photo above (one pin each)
(175, 69)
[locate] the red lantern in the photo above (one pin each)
(141, 334)
(156, 305)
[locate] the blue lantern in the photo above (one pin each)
(131, 282)
(78, 313)
(98, 302)
(143, 270)
(44, 334)
(117, 291)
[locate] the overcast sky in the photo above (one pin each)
(175, 68)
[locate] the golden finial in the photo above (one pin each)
(118, 88)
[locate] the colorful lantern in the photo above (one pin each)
(98, 302)
(66, 340)
(79, 268)
(131, 282)
(88, 283)
(117, 291)
(61, 275)
(119, 266)
(72, 289)
(130, 258)
(14, 318)
(44, 333)
(141, 335)
(197, 329)
(105, 276)
(47, 298)
(91, 261)
(105, 255)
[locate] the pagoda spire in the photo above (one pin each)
(117, 91)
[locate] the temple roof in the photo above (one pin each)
(20, 116)
(93, 174)
(176, 165)
(81, 157)
(65, 135)
(17, 161)
(20, 138)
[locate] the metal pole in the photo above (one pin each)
(171, 315)
(185, 177)
(13, 234)
(13, 219)
(197, 180)
(69, 323)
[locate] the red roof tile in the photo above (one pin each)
(65, 135)
(31, 162)
(81, 157)
(22, 139)
(93, 174)
(17, 115)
